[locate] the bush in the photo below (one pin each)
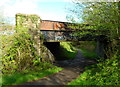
(18, 52)
(104, 73)
(89, 54)
(67, 50)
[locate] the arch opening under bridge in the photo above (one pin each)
(55, 32)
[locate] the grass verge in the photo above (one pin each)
(20, 77)
(102, 74)
(89, 54)
(87, 48)
(67, 50)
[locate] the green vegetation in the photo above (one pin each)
(20, 63)
(87, 45)
(102, 74)
(28, 75)
(27, 21)
(87, 48)
(18, 52)
(89, 54)
(20, 59)
(67, 50)
(104, 16)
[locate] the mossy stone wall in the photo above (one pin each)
(31, 24)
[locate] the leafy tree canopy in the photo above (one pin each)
(105, 18)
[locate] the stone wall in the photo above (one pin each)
(100, 49)
(31, 24)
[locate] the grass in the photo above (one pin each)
(19, 78)
(33, 72)
(89, 54)
(87, 48)
(67, 50)
(102, 74)
(105, 73)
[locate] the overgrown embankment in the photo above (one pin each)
(103, 74)
(19, 59)
(67, 50)
(106, 72)
(24, 52)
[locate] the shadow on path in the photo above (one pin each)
(72, 69)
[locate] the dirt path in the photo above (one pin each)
(72, 69)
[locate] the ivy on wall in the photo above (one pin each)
(28, 21)
(31, 24)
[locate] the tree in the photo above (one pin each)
(105, 17)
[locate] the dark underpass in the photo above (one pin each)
(55, 49)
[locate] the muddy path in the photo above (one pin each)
(72, 69)
(77, 63)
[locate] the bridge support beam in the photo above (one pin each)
(100, 49)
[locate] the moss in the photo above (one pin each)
(29, 21)
(67, 50)
(31, 24)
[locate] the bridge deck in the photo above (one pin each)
(60, 26)
(54, 31)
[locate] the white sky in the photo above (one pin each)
(39, 7)
(46, 9)
(11, 7)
